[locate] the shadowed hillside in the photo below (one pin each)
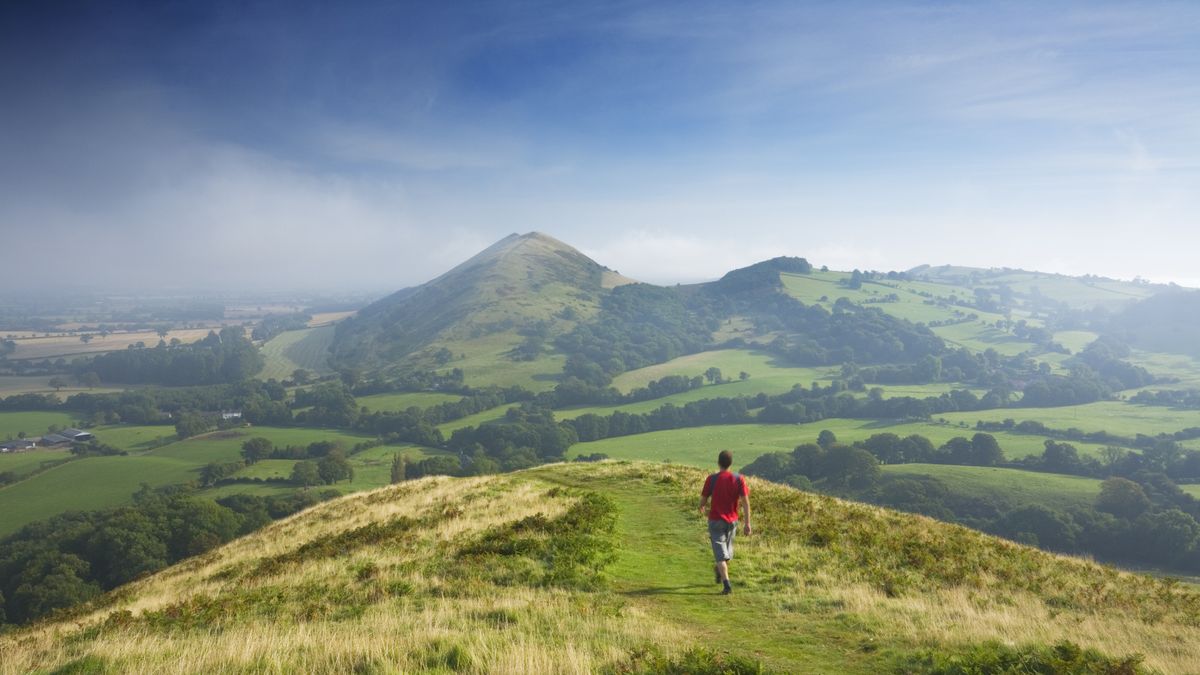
(593, 568)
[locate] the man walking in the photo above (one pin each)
(726, 490)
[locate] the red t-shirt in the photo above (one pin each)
(725, 488)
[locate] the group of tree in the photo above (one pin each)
(1144, 518)
(223, 357)
(69, 559)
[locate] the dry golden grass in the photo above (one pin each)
(444, 620)
(871, 583)
(69, 345)
(327, 318)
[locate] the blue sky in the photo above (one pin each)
(374, 144)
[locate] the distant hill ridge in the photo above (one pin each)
(502, 287)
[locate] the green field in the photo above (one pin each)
(485, 363)
(404, 401)
(34, 424)
(23, 463)
(1075, 340)
(287, 352)
(767, 374)
(747, 388)
(101, 482)
(1193, 490)
(1017, 487)
(489, 415)
(1124, 419)
(133, 438)
(698, 446)
(1185, 369)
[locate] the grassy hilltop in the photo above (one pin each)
(586, 568)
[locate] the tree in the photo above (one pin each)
(257, 448)
(90, 379)
(305, 473)
(826, 438)
(191, 424)
(1049, 529)
(399, 468)
(163, 331)
(1167, 535)
(301, 376)
(85, 338)
(1122, 498)
(335, 467)
(985, 451)
(743, 376)
(851, 467)
(713, 375)
(58, 383)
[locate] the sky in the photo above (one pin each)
(373, 145)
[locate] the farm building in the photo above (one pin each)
(77, 435)
(67, 436)
(231, 415)
(20, 445)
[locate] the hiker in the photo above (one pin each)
(726, 489)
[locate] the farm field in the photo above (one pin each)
(101, 482)
(69, 345)
(697, 446)
(135, 438)
(1192, 489)
(1179, 367)
(328, 318)
(1124, 419)
(746, 388)
(767, 374)
(1075, 340)
(486, 363)
(22, 463)
(296, 349)
(404, 401)
(475, 420)
(40, 384)
(1017, 487)
(34, 424)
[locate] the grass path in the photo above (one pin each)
(664, 566)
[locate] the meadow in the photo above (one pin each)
(698, 446)
(306, 349)
(56, 346)
(398, 402)
(101, 482)
(24, 463)
(1115, 417)
(34, 424)
(1013, 486)
(767, 373)
(618, 578)
(485, 362)
(40, 384)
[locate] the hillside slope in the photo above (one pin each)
(586, 568)
(519, 280)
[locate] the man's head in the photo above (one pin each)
(725, 459)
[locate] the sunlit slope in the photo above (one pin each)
(479, 312)
(587, 568)
(306, 349)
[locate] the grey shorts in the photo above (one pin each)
(721, 534)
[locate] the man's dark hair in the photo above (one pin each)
(725, 459)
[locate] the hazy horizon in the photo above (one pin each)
(372, 146)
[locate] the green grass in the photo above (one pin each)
(404, 401)
(698, 446)
(34, 424)
(102, 482)
(134, 438)
(1014, 486)
(482, 417)
(767, 373)
(1075, 340)
(485, 363)
(1193, 490)
(1116, 417)
(1185, 369)
(287, 352)
(22, 463)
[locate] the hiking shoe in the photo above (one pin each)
(728, 589)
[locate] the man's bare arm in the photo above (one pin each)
(746, 510)
(704, 505)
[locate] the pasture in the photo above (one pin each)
(34, 424)
(40, 384)
(102, 482)
(485, 362)
(24, 463)
(1116, 417)
(397, 402)
(59, 345)
(1012, 486)
(698, 446)
(296, 349)
(767, 373)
